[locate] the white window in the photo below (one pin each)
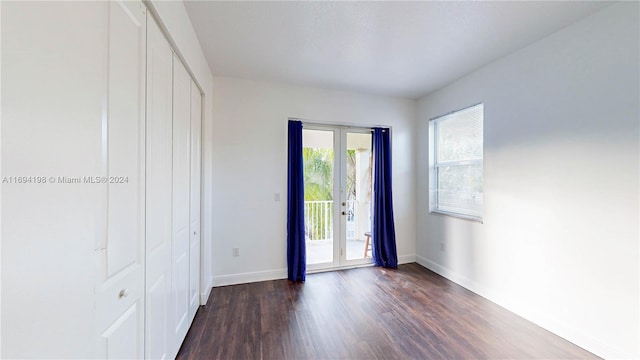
(455, 159)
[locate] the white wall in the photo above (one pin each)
(174, 19)
(53, 87)
(250, 165)
(560, 239)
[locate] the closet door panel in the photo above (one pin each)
(159, 189)
(120, 282)
(194, 232)
(181, 175)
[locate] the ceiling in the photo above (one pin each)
(400, 49)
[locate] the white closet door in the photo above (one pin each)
(181, 174)
(120, 283)
(158, 334)
(194, 233)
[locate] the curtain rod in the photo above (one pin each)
(305, 122)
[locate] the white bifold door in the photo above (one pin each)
(148, 237)
(173, 198)
(120, 233)
(185, 242)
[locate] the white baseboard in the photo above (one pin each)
(406, 259)
(249, 277)
(566, 332)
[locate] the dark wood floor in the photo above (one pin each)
(366, 313)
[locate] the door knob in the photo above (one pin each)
(123, 293)
(344, 203)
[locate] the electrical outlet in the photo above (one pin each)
(236, 252)
(442, 247)
(276, 196)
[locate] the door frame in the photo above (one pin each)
(339, 195)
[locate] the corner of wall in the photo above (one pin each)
(205, 291)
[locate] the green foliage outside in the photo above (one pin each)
(318, 174)
(318, 186)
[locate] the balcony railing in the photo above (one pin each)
(318, 219)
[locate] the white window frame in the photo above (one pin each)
(434, 168)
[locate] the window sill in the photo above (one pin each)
(459, 216)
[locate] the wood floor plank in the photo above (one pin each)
(366, 313)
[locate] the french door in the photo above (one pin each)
(337, 181)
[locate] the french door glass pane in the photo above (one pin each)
(318, 157)
(358, 195)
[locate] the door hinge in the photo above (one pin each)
(340, 251)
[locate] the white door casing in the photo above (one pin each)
(120, 250)
(336, 138)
